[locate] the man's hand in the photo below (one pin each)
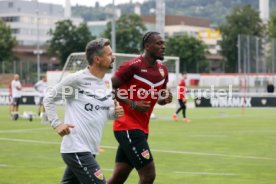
(166, 97)
(142, 106)
(63, 129)
(169, 96)
(119, 111)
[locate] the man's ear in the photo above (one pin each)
(97, 59)
(147, 45)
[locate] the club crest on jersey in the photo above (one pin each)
(99, 175)
(146, 154)
(161, 70)
(107, 84)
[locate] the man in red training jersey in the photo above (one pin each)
(181, 97)
(138, 84)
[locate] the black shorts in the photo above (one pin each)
(15, 101)
(40, 100)
(133, 148)
(82, 168)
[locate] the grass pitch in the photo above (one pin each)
(219, 146)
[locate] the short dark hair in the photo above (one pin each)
(94, 48)
(147, 37)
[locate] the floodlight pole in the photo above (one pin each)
(37, 43)
(113, 33)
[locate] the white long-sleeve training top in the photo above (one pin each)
(41, 87)
(88, 106)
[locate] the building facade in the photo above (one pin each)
(31, 21)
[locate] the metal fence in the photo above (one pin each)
(256, 54)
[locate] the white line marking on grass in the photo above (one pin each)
(207, 173)
(22, 130)
(213, 154)
(218, 116)
(111, 170)
(30, 141)
(4, 165)
(154, 150)
(215, 136)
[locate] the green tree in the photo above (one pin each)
(272, 25)
(68, 38)
(242, 20)
(7, 42)
(129, 33)
(190, 50)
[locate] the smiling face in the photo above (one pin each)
(156, 47)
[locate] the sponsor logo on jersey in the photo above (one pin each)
(146, 154)
(144, 70)
(99, 175)
(87, 93)
(161, 70)
(90, 107)
(87, 83)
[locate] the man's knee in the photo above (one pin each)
(147, 174)
(117, 180)
(147, 178)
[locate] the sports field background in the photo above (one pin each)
(219, 146)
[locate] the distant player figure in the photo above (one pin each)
(181, 97)
(270, 87)
(16, 88)
(10, 97)
(41, 87)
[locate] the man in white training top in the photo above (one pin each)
(88, 105)
(40, 88)
(16, 88)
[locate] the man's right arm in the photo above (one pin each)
(36, 86)
(57, 93)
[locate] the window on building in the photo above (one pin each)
(15, 31)
(211, 46)
(10, 19)
(179, 33)
(10, 5)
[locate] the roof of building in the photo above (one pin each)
(179, 20)
(28, 49)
